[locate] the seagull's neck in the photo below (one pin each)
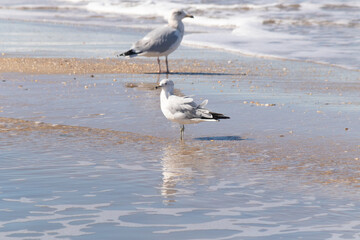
(165, 94)
(178, 24)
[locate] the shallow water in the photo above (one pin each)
(84, 186)
(90, 185)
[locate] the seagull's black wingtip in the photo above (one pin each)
(218, 116)
(128, 53)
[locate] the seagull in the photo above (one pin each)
(184, 110)
(161, 41)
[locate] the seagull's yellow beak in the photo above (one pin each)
(189, 16)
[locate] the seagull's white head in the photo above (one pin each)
(167, 85)
(177, 15)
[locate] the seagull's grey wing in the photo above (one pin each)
(159, 40)
(186, 108)
(178, 104)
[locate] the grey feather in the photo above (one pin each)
(159, 40)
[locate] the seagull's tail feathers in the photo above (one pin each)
(130, 53)
(206, 115)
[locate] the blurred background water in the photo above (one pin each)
(321, 31)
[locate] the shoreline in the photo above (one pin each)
(268, 57)
(126, 36)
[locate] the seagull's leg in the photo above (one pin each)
(158, 60)
(182, 129)
(167, 65)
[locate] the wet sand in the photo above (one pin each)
(325, 148)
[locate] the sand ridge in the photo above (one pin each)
(89, 66)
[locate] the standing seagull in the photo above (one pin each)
(161, 41)
(184, 110)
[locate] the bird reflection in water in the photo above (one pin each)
(181, 166)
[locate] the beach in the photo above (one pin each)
(87, 154)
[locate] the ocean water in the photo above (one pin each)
(320, 31)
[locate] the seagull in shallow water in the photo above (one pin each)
(184, 110)
(161, 41)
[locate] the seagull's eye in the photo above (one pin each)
(178, 13)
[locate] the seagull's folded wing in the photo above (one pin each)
(181, 107)
(186, 108)
(159, 40)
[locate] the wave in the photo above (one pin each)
(231, 16)
(340, 7)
